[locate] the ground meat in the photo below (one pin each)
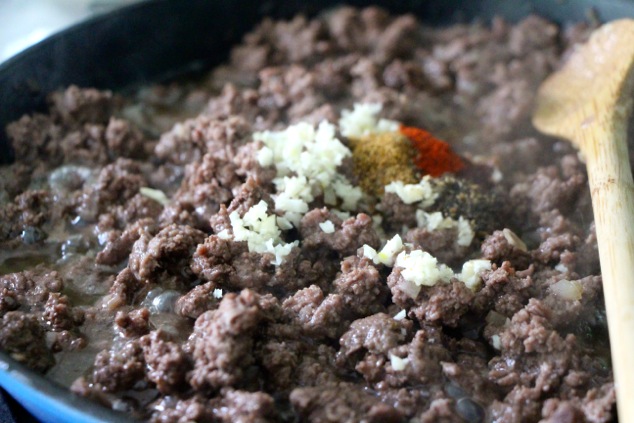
(232, 406)
(31, 288)
(165, 252)
(187, 142)
(441, 244)
(59, 315)
(123, 290)
(376, 334)
(341, 403)
(207, 184)
(35, 136)
(222, 341)
(348, 236)
(22, 337)
(199, 300)
(124, 140)
(117, 183)
(361, 287)
(443, 303)
(167, 362)
(79, 106)
(231, 263)
(119, 245)
(245, 407)
(133, 324)
(496, 247)
(26, 214)
(396, 214)
(142, 264)
(316, 315)
(117, 370)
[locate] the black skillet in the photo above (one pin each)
(159, 39)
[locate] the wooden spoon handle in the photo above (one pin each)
(612, 189)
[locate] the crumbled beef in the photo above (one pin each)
(504, 290)
(316, 314)
(440, 243)
(232, 406)
(348, 236)
(166, 361)
(396, 214)
(199, 300)
(222, 341)
(207, 184)
(245, 407)
(31, 288)
(230, 263)
(123, 290)
(376, 334)
(134, 323)
(361, 287)
(167, 251)
(117, 183)
(35, 136)
(443, 303)
(22, 337)
(59, 315)
(119, 245)
(120, 369)
(339, 403)
(124, 140)
(187, 142)
(497, 248)
(27, 213)
(78, 106)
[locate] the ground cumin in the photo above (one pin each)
(381, 158)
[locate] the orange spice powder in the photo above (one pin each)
(434, 157)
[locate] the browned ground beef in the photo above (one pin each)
(146, 307)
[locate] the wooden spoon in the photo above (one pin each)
(588, 102)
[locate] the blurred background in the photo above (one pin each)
(25, 22)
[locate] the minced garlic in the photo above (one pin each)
(261, 232)
(471, 271)
(421, 192)
(306, 160)
(422, 269)
(362, 120)
(327, 226)
(398, 363)
(154, 194)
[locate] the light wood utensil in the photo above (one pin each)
(589, 102)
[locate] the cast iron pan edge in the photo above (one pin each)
(154, 40)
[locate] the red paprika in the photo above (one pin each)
(434, 157)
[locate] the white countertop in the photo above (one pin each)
(25, 22)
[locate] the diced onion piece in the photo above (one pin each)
(400, 315)
(327, 226)
(398, 363)
(514, 240)
(369, 252)
(389, 251)
(421, 268)
(154, 194)
(496, 342)
(567, 290)
(471, 270)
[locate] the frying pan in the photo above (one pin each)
(157, 40)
